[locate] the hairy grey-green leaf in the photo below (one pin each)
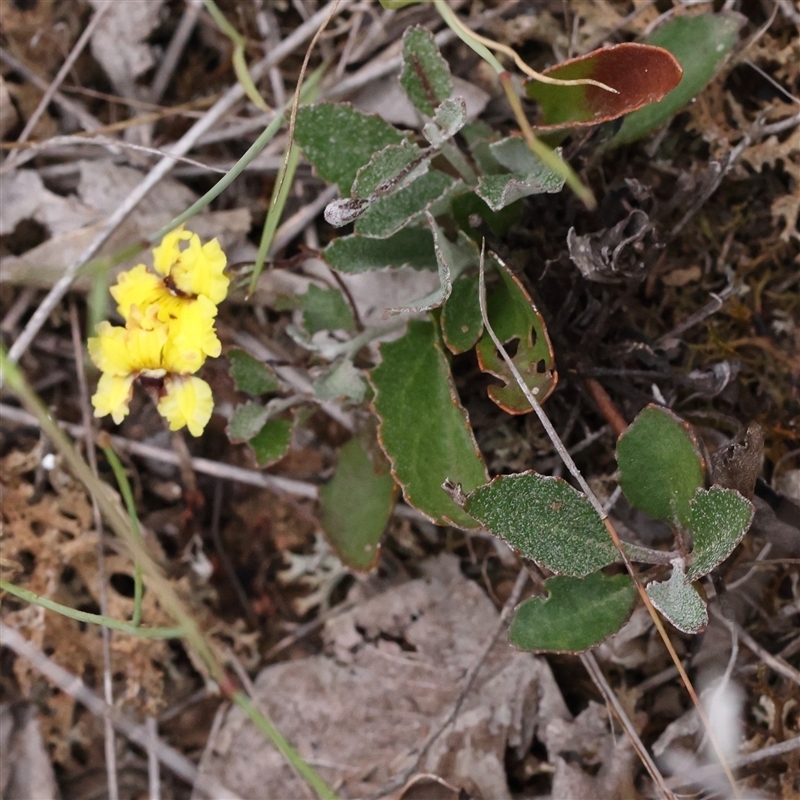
(389, 169)
(544, 519)
(271, 443)
(425, 75)
(246, 421)
(679, 602)
(578, 613)
(338, 140)
(528, 175)
(451, 259)
(409, 247)
(449, 119)
(341, 380)
(389, 214)
(719, 519)
(251, 375)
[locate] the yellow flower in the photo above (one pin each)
(168, 334)
(113, 396)
(187, 401)
(197, 269)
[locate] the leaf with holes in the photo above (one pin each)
(640, 73)
(409, 247)
(719, 520)
(577, 614)
(338, 140)
(426, 75)
(515, 320)
(251, 375)
(528, 175)
(424, 430)
(357, 503)
(679, 601)
(272, 442)
(326, 310)
(660, 466)
(544, 519)
(461, 315)
(387, 215)
(701, 44)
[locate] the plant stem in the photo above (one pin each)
(93, 619)
(264, 724)
(280, 193)
(130, 505)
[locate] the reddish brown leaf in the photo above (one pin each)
(640, 73)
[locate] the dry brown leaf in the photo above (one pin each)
(395, 668)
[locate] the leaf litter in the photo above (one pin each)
(542, 711)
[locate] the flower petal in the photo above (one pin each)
(187, 401)
(113, 396)
(138, 287)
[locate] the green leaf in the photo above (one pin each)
(246, 421)
(515, 318)
(700, 43)
(272, 441)
(341, 380)
(465, 206)
(426, 75)
(543, 518)
(660, 466)
(640, 73)
(410, 247)
(338, 140)
(528, 175)
(679, 601)
(326, 310)
(392, 166)
(452, 258)
(251, 375)
(461, 320)
(387, 215)
(719, 520)
(356, 505)
(578, 613)
(448, 120)
(424, 430)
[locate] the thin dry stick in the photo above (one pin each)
(105, 633)
(153, 773)
(776, 663)
(593, 668)
(181, 147)
(592, 498)
(138, 734)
